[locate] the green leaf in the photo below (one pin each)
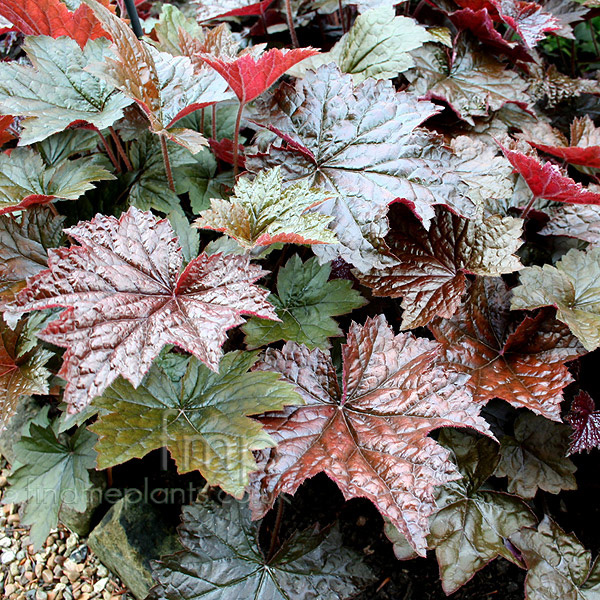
(65, 144)
(26, 180)
(572, 286)
(171, 20)
(472, 523)
(189, 240)
(535, 457)
(51, 473)
(558, 565)
(262, 212)
(202, 418)
(55, 91)
(305, 302)
(222, 560)
(378, 46)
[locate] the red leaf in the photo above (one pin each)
(370, 436)
(53, 18)
(5, 134)
(547, 181)
(518, 360)
(249, 77)
(528, 19)
(223, 150)
(585, 421)
(251, 10)
(126, 299)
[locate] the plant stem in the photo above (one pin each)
(213, 121)
(134, 18)
(236, 138)
(341, 13)
(202, 121)
(111, 154)
(528, 207)
(120, 149)
(290, 23)
(276, 528)
(165, 153)
(594, 40)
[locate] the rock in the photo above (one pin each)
(7, 557)
(131, 534)
(79, 522)
(27, 409)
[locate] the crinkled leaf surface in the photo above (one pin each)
(212, 9)
(222, 560)
(529, 20)
(201, 418)
(24, 245)
(55, 91)
(377, 45)
(558, 566)
(364, 144)
(585, 421)
(429, 271)
(581, 221)
(166, 87)
(518, 360)
(52, 18)
(51, 473)
(572, 286)
(535, 457)
(370, 436)
(22, 371)
(126, 298)
(472, 85)
(472, 522)
(547, 181)
(262, 212)
(25, 180)
(305, 302)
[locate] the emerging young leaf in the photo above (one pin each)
(55, 92)
(126, 298)
(472, 522)
(51, 473)
(572, 287)
(558, 566)
(201, 418)
(52, 18)
(166, 87)
(472, 84)
(24, 246)
(535, 457)
(305, 302)
(22, 371)
(364, 144)
(546, 180)
(585, 421)
(370, 436)
(430, 266)
(222, 560)
(518, 360)
(261, 212)
(25, 180)
(377, 45)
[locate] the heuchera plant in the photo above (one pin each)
(398, 203)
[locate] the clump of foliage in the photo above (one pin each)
(398, 203)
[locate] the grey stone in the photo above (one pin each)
(79, 522)
(27, 409)
(131, 534)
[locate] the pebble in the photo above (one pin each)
(13, 519)
(5, 542)
(47, 575)
(9, 589)
(100, 585)
(7, 557)
(3, 481)
(41, 595)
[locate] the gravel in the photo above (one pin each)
(64, 569)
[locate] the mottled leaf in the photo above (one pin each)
(363, 143)
(581, 221)
(213, 9)
(126, 299)
(472, 522)
(202, 418)
(305, 302)
(585, 421)
(25, 180)
(572, 287)
(535, 457)
(222, 560)
(430, 267)
(558, 566)
(517, 359)
(370, 436)
(528, 19)
(262, 212)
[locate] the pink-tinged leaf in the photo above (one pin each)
(215, 9)
(371, 435)
(518, 360)
(6, 133)
(223, 150)
(585, 421)
(126, 299)
(546, 180)
(249, 76)
(53, 18)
